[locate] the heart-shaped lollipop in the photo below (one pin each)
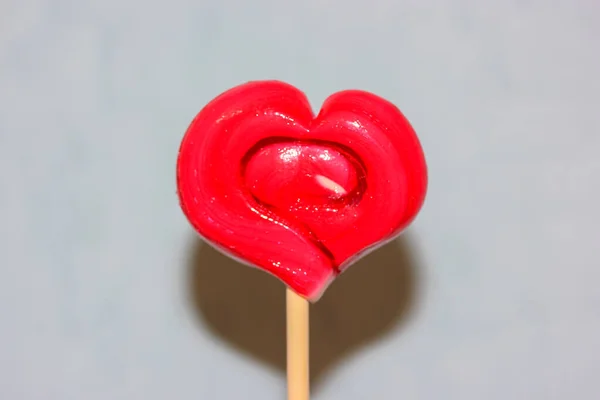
(301, 197)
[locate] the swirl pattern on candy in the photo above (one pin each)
(300, 196)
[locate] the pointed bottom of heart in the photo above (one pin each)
(308, 282)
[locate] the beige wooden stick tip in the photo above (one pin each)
(297, 347)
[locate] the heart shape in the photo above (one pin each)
(301, 197)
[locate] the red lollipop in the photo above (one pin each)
(301, 197)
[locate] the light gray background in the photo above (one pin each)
(105, 292)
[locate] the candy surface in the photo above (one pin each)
(302, 197)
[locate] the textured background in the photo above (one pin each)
(105, 292)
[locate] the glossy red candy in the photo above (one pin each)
(301, 197)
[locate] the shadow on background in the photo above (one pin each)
(245, 307)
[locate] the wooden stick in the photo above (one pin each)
(297, 347)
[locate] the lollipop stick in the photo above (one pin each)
(297, 347)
